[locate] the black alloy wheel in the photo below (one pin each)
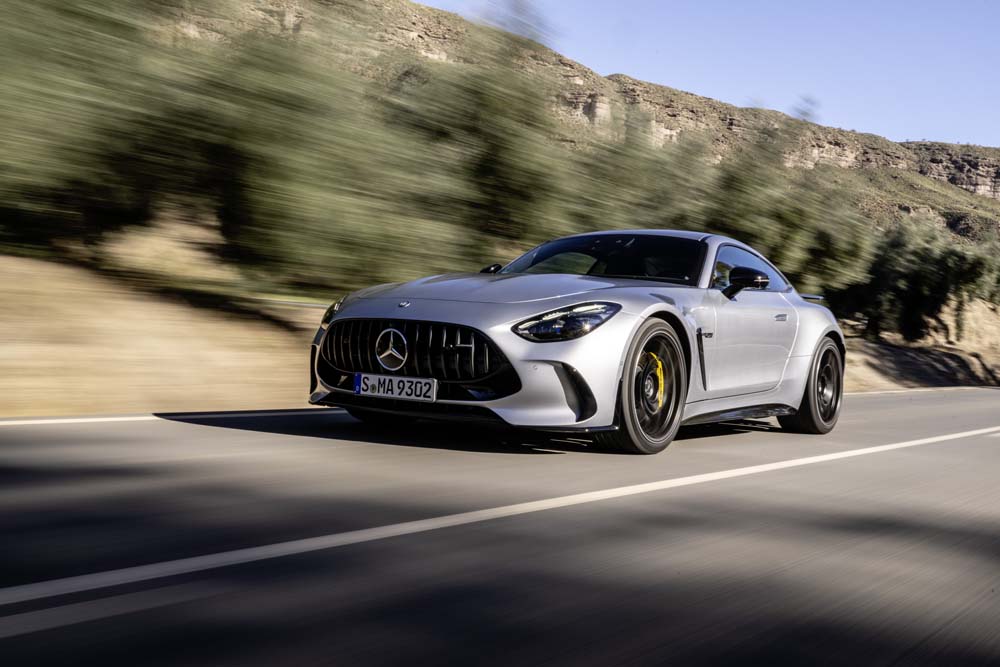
(653, 392)
(824, 393)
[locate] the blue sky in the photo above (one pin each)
(907, 70)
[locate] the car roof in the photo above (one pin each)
(678, 233)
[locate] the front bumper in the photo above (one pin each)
(565, 386)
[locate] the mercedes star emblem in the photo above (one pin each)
(390, 349)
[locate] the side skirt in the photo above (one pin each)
(570, 430)
(751, 412)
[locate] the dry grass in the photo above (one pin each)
(942, 359)
(76, 343)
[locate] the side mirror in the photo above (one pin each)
(741, 278)
(492, 268)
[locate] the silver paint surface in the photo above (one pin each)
(757, 346)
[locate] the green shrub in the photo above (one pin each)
(917, 270)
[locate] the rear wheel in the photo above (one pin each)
(653, 392)
(820, 407)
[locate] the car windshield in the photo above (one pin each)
(640, 256)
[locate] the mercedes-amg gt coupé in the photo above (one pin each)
(625, 335)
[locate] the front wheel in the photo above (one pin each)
(653, 392)
(820, 407)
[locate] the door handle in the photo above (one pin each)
(781, 317)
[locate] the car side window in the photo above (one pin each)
(730, 257)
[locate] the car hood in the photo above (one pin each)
(502, 288)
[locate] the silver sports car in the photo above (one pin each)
(625, 335)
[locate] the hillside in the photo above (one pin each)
(960, 185)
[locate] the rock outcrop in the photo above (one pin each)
(972, 168)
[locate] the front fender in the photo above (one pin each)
(687, 317)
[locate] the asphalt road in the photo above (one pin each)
(306, 537)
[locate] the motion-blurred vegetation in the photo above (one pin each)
(320, 180)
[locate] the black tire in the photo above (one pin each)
(377, 418)
(652, 393)
(824, 393)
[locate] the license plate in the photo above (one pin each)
(387, 386)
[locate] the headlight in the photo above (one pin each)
(330, 312)
(566, 323)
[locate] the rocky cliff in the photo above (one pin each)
(972, 168)
(584, 99)
(590, 106)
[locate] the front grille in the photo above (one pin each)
(466, 363)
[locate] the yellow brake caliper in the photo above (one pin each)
(659, 380)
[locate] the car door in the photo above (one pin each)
(754, 331)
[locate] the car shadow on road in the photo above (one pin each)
(338, 425)
(466, 437)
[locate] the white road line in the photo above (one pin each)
(92, 610)
(130, 575)
(242, 415)
(913, 390)
(77, 420)
(53, 421)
